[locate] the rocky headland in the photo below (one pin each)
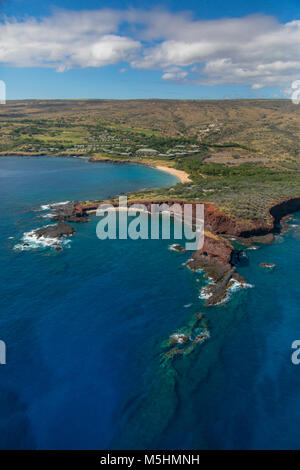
(218, 257)
(67, 212)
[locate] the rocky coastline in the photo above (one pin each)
(218, 257)
(55, 231)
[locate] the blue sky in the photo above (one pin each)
(101, 49)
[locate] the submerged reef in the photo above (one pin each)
(185, 340)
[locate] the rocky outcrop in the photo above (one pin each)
(67, 212)
(176, 247)
(184, 341)
(55, 231)
(216, 250)
(215, 259)
(267, 265)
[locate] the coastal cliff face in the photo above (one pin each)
(283, 208)
(216, 223)
(215, 250)
(215, 220)
(217, 255)
(220, 223)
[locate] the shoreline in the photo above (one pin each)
(183, 176)
(160, 165)
(218, 258)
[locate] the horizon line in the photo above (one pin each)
(148, 99)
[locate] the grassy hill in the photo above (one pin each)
(243, 155)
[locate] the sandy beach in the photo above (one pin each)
(180, 174)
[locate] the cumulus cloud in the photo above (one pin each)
(66, 40)
(255, 50)
(174, 73)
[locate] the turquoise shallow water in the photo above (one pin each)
(84, 328)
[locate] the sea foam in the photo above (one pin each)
(47, 207)
(235, 286)
(30, 241)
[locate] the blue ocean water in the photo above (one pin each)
(84, 329)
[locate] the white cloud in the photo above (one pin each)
(66, 40)
(174, 73)
(255, 50)
(257, 86)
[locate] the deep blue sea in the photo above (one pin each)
(84, 329)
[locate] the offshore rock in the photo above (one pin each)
(177, 247)
(267, 265)
(55, 231)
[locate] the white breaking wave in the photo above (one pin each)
(236, 285)
(205, 292)
(173, 247)
(176, 247)
(30, 241)
(47, 207)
